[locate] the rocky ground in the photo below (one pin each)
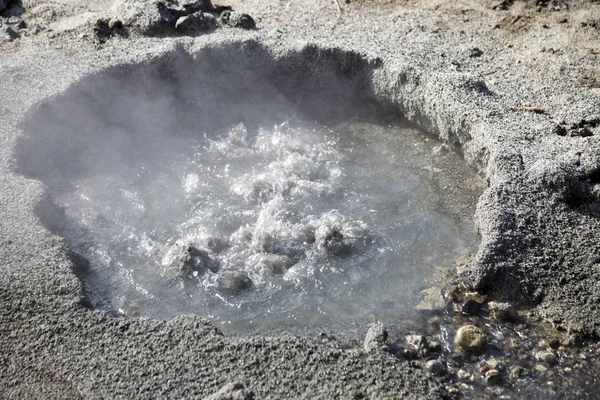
(514, 86)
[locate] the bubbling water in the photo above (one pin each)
(284, 225)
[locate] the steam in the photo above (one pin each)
(212, 186)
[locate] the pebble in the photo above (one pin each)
(439, 150)
(436, 367)
(492, 377)
(197, 21)
(376, 338)
(434, 346)
(503, 311)
(234, 281)
(554, 344)
(541, 368)
(470, 307)
(493, 363)
(470, 338)
(547, 357)
(475, 52)
(515, 373)
(8, 34)
(417, 343)
(463, 375)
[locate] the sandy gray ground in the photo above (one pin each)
(539, 218)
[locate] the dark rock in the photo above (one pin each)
(475, 52)
(152, 18)
(560, 130)
(232, 391)
(434, 346)
(436, 367)
(115, 24)
(376, 338)
(237, 20)
(492, 377)
(470, 307)
(582, 132)
(8, 34)
(196, 22)
(547, 357)
(21, 24)
(234, 282)
(3, 4)
(333, 242)
(554, 343)
(196, 262)
(102, 30)
(574, 339)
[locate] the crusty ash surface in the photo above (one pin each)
(516, 112)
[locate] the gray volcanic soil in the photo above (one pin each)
(524, 110)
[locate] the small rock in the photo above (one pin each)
(274, 263)
(554, 343)
(436, 367)
(475, 52)
(541, 368)
(494, 363)
(35, 30)
(503, 311)
(8, 34)
(376, 338)
(547, 357)
(434, 346)
(470, 338)
(418, 343)
(515, 373)
(463, 375)
(115, 23)
(237, 20)
(195, 263)
(439, 150)
(196, 22)
(475, 296)
(559, 130)
(232, 391)
(470, 307)
(582, 132)
(234, 282)
(574, 339)
(20, 24)
(492, 377)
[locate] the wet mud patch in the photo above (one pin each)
(263, 191)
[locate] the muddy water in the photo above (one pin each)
(292, 224)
